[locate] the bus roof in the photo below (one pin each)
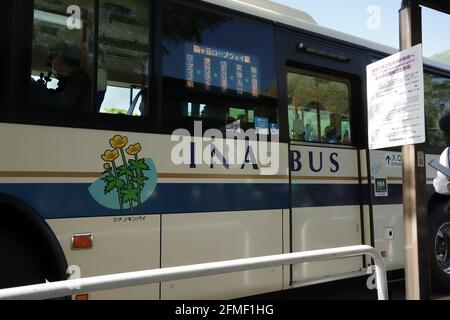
(282, 14)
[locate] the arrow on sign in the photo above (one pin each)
(388, 159)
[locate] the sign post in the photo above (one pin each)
(415, 218)
(396, 117)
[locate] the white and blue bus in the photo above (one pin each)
(88, 181)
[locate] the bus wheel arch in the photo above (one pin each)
(28, 239)
(439, 241)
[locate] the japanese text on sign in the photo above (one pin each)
(395, 93)
(226, 71)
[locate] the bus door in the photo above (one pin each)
(326, 195)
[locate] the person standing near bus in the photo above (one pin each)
(442, 183)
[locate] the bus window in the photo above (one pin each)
(319, 108)
(217, 69)
(61, 73)
(123, 66)
(62, 57)
(437, 103)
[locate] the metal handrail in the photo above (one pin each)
(130, 279)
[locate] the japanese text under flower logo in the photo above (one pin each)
(127, 182)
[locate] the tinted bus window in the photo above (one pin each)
(218, 69)
(61, 75)
(319, 108)
(123, 66)
(437, 104)
(63, 50)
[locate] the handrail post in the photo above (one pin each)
(380, 277)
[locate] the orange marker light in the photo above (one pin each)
(82, 241)
(384, 254)
(82, 297)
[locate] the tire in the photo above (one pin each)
(439, 244)
(21, 261)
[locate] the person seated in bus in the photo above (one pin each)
(331, 132)
(298, 129)
(74, 85)
(442, 183)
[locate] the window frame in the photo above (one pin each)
(332, 76)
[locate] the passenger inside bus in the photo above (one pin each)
(74, 85)
(310, 120)
(332, 132)
(298, 129)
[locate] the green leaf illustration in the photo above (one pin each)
(130, 194)
(124, 171)
(139, 165)
(112, 183)
(140, 181)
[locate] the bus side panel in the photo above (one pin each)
(322, 228)
(42, 169)
(388, 209)
(326, 199)
(210, 237)
(117, 247)
(389, 234)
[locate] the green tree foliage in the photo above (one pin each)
(443, 56)
(115, 111)
(437, 104)
(186, 24)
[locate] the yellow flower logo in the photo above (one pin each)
(134, 149)
(118, 142)
(110, 155)
(128, 180)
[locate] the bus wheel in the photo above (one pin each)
(20, 264)
(439, 241)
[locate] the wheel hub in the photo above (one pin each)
(442, 247)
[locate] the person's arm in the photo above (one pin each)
(441, 183)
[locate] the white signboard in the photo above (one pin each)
(395, 93)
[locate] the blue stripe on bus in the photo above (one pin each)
(54, 201)
(327, 195)
(396, 195)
